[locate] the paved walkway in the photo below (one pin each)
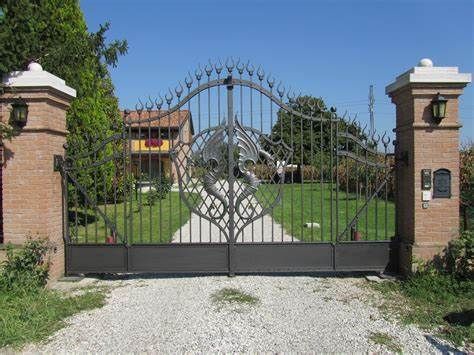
(199, 229)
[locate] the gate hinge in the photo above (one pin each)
(57, 162)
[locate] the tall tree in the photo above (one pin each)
(54, 33)
(312, 141)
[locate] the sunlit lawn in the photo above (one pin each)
(300, 204)
(303, 203)
(144, 224)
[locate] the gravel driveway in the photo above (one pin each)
(275, 314)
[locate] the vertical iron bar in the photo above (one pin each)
(312, 177)
(386, 193)
(271, 130)
(126, 137)
(209, 126)
(150, 174)
(139, 202)
(95, 197)
(168, 238)
(218, 123)
(230, 140)
(130, 240)
(292, 178)
(104, 178)
(331, 172)
(321, 173)
(366, 192)
(251, 125)
(337, 173)
(347, 175)
(199, 128)
(301, 174)
(261, 130)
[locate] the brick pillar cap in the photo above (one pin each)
(36, 77)
(426, 73)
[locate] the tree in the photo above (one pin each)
(54, 33)
(311, 140)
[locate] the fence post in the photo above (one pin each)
(426, 218)
(32, 196)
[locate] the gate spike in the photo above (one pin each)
(149, 104)
(188, 80)
(260, 73)
(169, 98)
(218, 66)
(240, 67)
(198, 73)
(178, 90)
(385, 139)
(229, 63)
(208, 68)
(270, 80)
(281, 90)
(139, 107)
(159, 102)
(250, 68)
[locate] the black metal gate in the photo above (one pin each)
(230, 173)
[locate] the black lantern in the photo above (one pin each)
(438, 106)
(19, 113)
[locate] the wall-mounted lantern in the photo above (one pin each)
(438, 107)
(19, 114)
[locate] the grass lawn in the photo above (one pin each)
(438, 303)
(301, 203)
(171, 211)
(32, 315)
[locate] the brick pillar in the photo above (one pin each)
(425, 224)
(32, 195)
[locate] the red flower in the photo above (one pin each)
(153, 142)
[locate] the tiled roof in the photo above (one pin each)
(173, 120)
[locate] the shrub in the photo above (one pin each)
(159, 189)
(26, 267)
(459, 256)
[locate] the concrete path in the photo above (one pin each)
(199, 229)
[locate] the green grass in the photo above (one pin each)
(436, 302)
(301, 203)
(32, 315)
(233, 295)
(145, 224)
(386, 340)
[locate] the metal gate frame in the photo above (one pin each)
(233, 257)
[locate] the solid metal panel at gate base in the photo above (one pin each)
(229, 172)
(197, 258)
(283, 257)
(83, 259)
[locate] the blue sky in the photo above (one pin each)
(333, 49)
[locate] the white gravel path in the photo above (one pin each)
(176, 315)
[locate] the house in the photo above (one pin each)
(151, 143)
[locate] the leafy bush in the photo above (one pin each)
(159, 189)
(459, 256)
(26, 267)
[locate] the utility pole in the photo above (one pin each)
(371, 109)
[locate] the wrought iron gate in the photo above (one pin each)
(230, 173)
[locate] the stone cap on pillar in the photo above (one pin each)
(36, 77)
(426, 73)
